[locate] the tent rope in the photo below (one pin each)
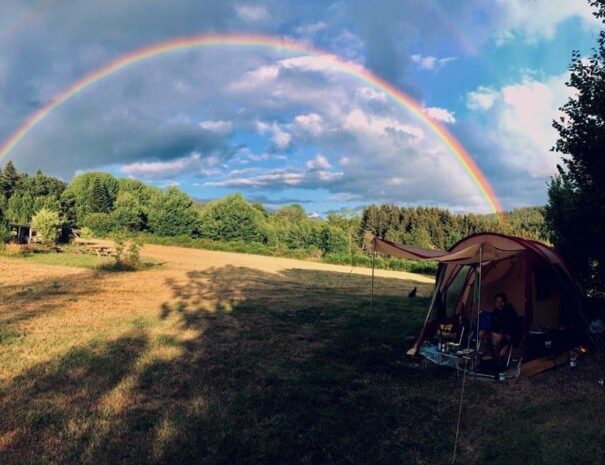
(464, 376)
(372, 291)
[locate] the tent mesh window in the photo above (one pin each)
(455, 290)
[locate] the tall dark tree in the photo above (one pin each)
(575, 212)
(101, 198)
(9, 180)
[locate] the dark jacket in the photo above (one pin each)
(505, 321)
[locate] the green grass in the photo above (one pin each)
(8, 336)
(285, 368)
(79, 260)
(67, 259)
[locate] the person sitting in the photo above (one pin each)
(502, 328)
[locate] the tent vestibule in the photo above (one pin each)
(535, 279)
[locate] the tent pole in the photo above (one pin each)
(372, 292)
(479, 293)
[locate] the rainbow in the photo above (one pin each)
(350, 68)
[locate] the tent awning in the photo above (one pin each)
(464, 256)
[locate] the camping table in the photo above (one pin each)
(101, 251)
(469, 358)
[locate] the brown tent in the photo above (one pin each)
(536, 280)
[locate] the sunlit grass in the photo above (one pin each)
(216, 358)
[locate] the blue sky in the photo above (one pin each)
(282, 127)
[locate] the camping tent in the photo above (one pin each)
(536, 280)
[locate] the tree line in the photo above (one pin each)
(105, 204)
(431, 227)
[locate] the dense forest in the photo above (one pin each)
(104, 204)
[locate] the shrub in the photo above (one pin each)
(127, 256)
(172, 213)
(86, 233)
(395, 264)
(101, 224)
(14, 250)
(47, 224)
(232, 219)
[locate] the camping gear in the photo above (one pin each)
(573, 359)
(537, 282)
(596, 326)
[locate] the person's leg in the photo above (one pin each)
(485, 341)
(504, 346)
(496, 343)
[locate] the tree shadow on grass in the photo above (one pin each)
(48, 295)
(296, 369)
(288, 367)
(53, 413)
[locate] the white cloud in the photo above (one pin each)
(219, 127)
(250, 80)
(369, 94)
(361, 122)
(344, 197)
(535, 20)
(281, 138)
(344, 161)
(318, 163)
(440, 114)
(252, 13)
(431, 63)
(266, 75)
(311, 123)
(481, 99)
(193, 163)
(276, 178)
(519, 122)
(310, 30)
(262, 127)
(348, 45)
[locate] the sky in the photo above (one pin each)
(288, 127)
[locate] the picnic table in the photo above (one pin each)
(101, 250)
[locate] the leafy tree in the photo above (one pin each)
(292, 213)
(259, 206)
(173, 213)
(232, 218)
(141, 191)
(575, 212)
(22, 205)
(4, 228)
(419, 237)
(20, 208)
(47, 224)
(91, 193)
(350, 223)
(99, 223)
(333, 240)
(128, 213)
(42, 185)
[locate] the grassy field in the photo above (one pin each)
(220, 358)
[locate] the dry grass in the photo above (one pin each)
(225, 358)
